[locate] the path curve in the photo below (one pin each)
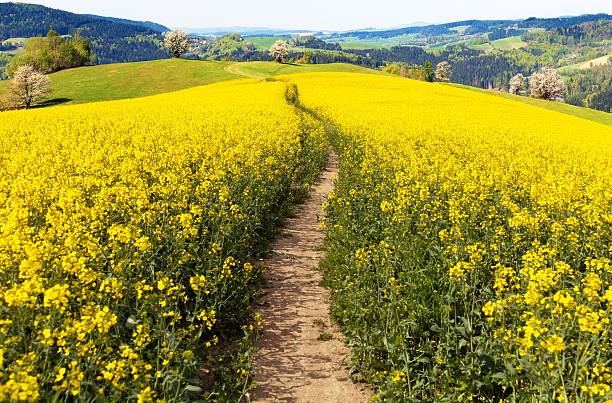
(234, 68)
(292, 362)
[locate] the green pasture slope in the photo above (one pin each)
(510, 43)
(131, 80)
(599, 61)
(264, 43)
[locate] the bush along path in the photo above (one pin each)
(300, 352)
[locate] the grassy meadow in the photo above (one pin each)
(586, 64)
(510, 43)
(264, 43)
(130, 80)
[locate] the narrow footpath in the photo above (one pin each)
(300, 353)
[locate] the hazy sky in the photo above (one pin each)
(324, 14)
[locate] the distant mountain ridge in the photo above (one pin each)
(251, 31)
(477, 26)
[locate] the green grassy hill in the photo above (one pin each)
(264, 43)
(131, 80)
(510, 43)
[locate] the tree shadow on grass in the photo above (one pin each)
(52, 102)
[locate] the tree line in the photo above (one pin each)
(53, 53)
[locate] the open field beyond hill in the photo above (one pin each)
(264, 43)
(586, 64)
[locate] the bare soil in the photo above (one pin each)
(300, 354)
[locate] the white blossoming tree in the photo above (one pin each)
(443, 71)
(547, 84)
(517, 84)
(27, 87)
(176, 42)
(279, 50)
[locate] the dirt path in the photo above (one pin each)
(235, 69)
(293, 362)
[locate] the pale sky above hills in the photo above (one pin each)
(324, 14)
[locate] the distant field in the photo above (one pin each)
(440, 48)
(460, 29)
(15, 41)
(585, 65)
(132, 80)
(510, 43)
(19, 42)
(584, 113)
(485, 47)
(264, 42)
(270, 69)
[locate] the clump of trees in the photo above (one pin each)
(443, 71)
(312, 42)
(306, 57)
(547, 84)
(426, 72)
(53, 53)
(279, 51)
(177, 42)
(518, 84)
(228, 47)
(27, 87)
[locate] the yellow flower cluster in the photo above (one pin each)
(495, 210)
(125, 231)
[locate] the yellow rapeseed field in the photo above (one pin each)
(126, 230)
(469, 242)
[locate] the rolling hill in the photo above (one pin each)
(133, 80)
(140, 79)
(477, 26)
